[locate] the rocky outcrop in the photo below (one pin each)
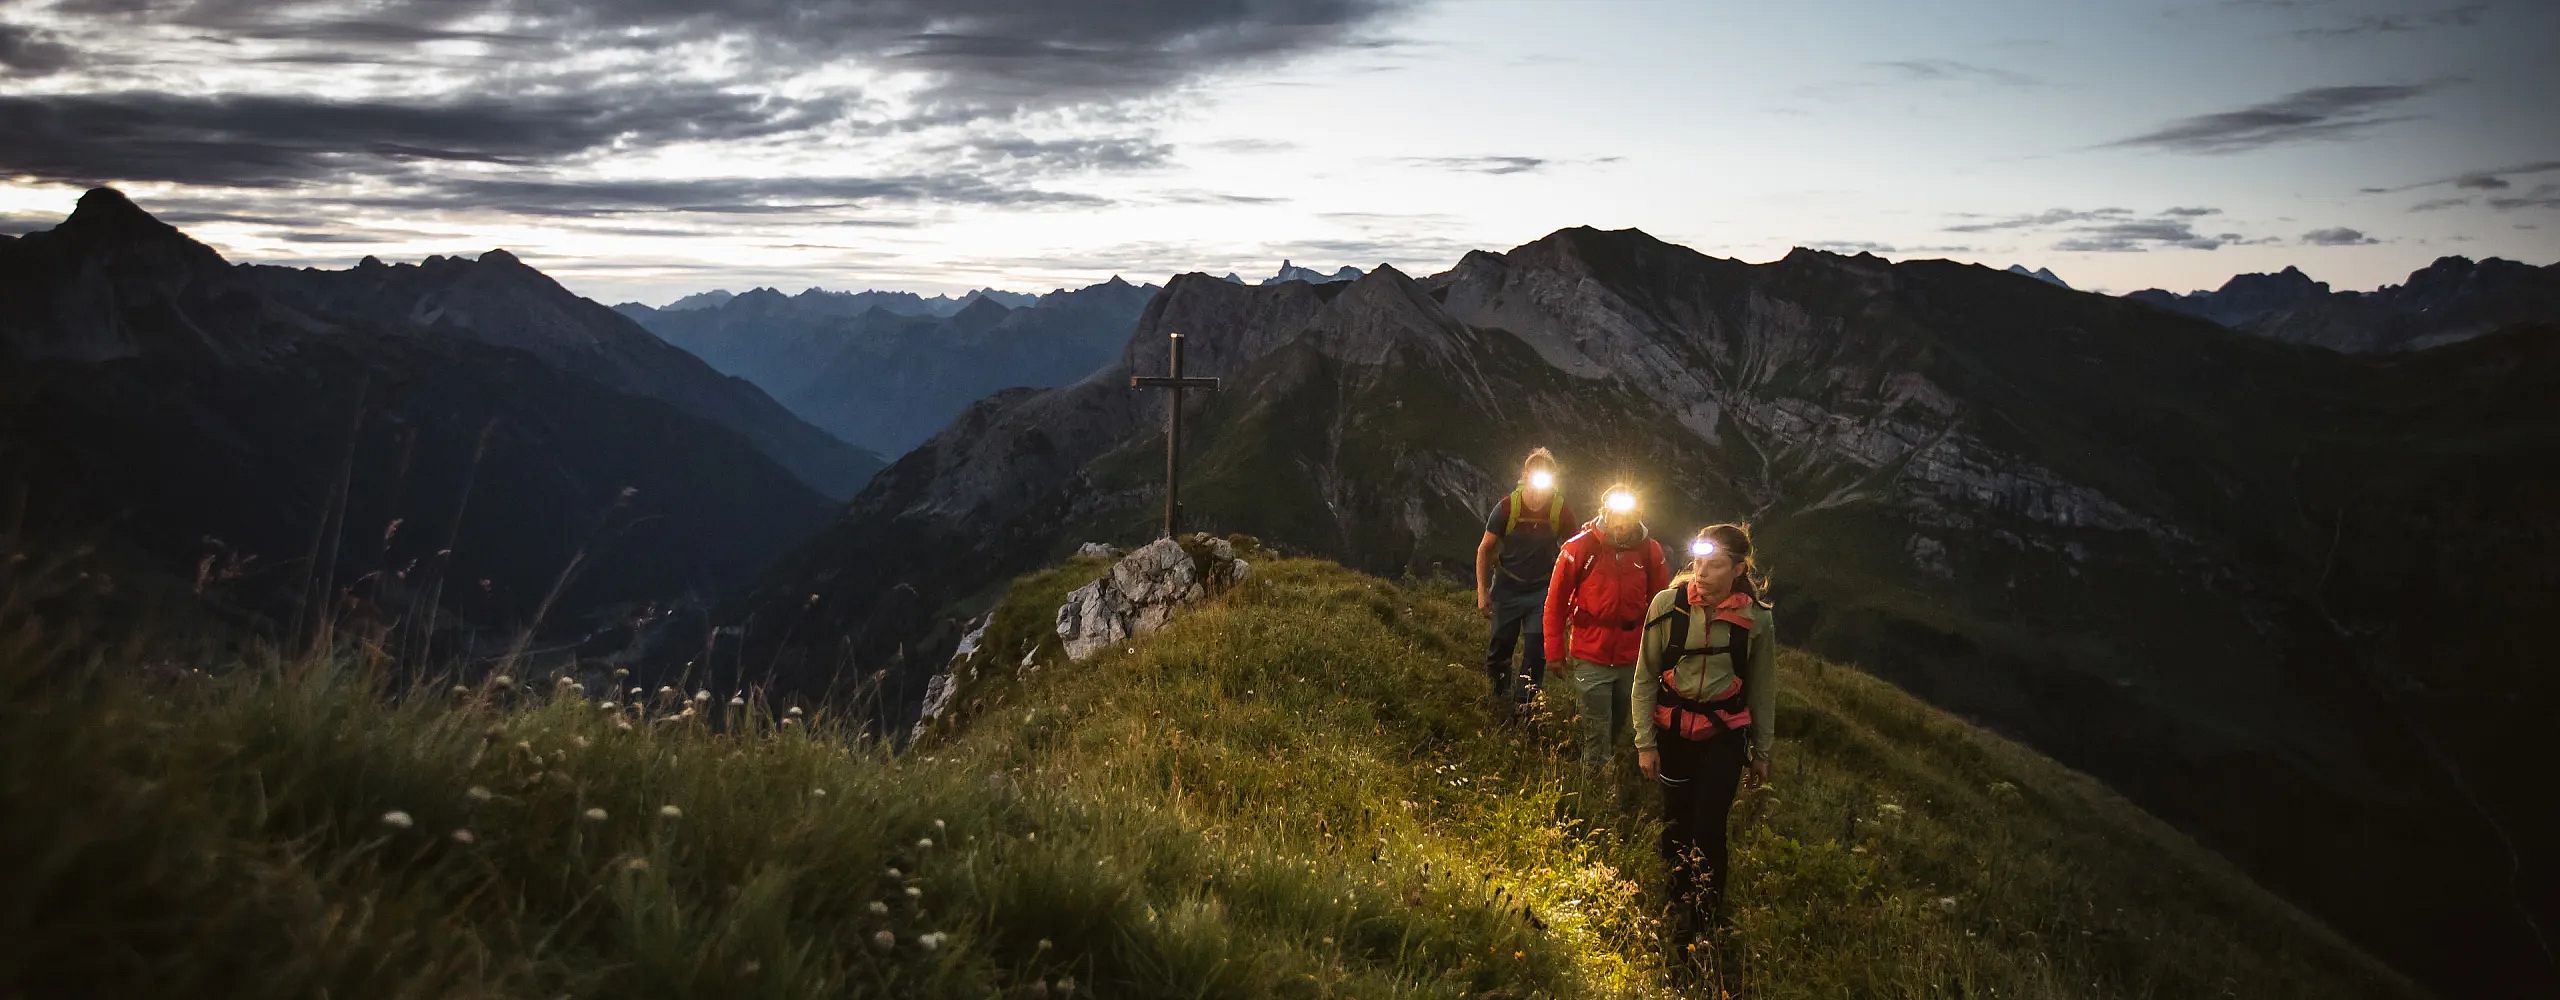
(1144, 590)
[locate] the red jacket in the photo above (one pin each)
(1602, 592)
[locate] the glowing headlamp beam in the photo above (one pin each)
(1622, 502)
(1542, 480)
(1702, 548)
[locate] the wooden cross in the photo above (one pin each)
(1173, 430)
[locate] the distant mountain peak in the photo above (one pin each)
(1290, 271)
(2040, 274)
(502, 257)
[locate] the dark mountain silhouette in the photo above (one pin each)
(180, 406)
(887, 380)
(2450, 300)
(499, 300)
(2281, 598)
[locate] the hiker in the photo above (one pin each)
(1596, 612)
(1512, 562)
(1705, 701)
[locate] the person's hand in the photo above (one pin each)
(1555, 668)
(1759, 772)
(1484, 604)
(1649, 761)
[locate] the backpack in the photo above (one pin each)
(1555, 511)
(1688, 718)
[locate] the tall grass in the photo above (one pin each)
(1294, 790)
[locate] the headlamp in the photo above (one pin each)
(1542, 479)
(1621, 502)
(1702, 548)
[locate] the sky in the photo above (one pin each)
(645, 149)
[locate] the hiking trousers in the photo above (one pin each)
(1698, 781)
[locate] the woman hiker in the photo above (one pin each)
(1705, 701)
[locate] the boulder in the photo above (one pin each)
(1143, 590)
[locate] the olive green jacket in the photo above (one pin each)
(1703, 675)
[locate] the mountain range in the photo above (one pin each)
(885, 380)
(2453, 299)
(455, 433)
(2279, 596)
(2283, 598)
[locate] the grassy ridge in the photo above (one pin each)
(1291, 791)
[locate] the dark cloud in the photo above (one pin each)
(994, 56)
(2192, 212)
(2321, 113)
(26, 51)
(2131, 236)
(1481, 164)
(2493, 179)
(2433, 204)
(719, 195)
(1936, 70)
(272, 141)
(2339, 236)
(2543, 195)
(2392, 24)
(2042, 220)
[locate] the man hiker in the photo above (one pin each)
(1605, 578)
(1512, 563)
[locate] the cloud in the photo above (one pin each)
(1480, 164)
(1869, 246)
(263, 141)
(2339, 236)
(2042, 220)
(26, 51)
(720, 195)
(1950, 70)
(1018, 154)
(2191, 213)
(2483, 182)
(2126, 237)
(996, 56)
(2543, 195)
(2321, 113)
(2433, 204)
(2392, 24)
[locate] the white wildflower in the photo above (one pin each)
(595, 815)
(794, 712)
(702, 697)
(879, 909)
(924, 843)
(607, 706)
(884, 940)
(464, 838)
(397, 820)
(914, 892)
(502, 681)
(738, 701)
(931, 941)
(479, 793)
(818, 793)
(1946, 902)
(670, 812)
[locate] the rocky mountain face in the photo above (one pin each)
(500, 301)
(2253, 586)
(1290, 271)
(887, 380)
(376, 442)
(2450, 300)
